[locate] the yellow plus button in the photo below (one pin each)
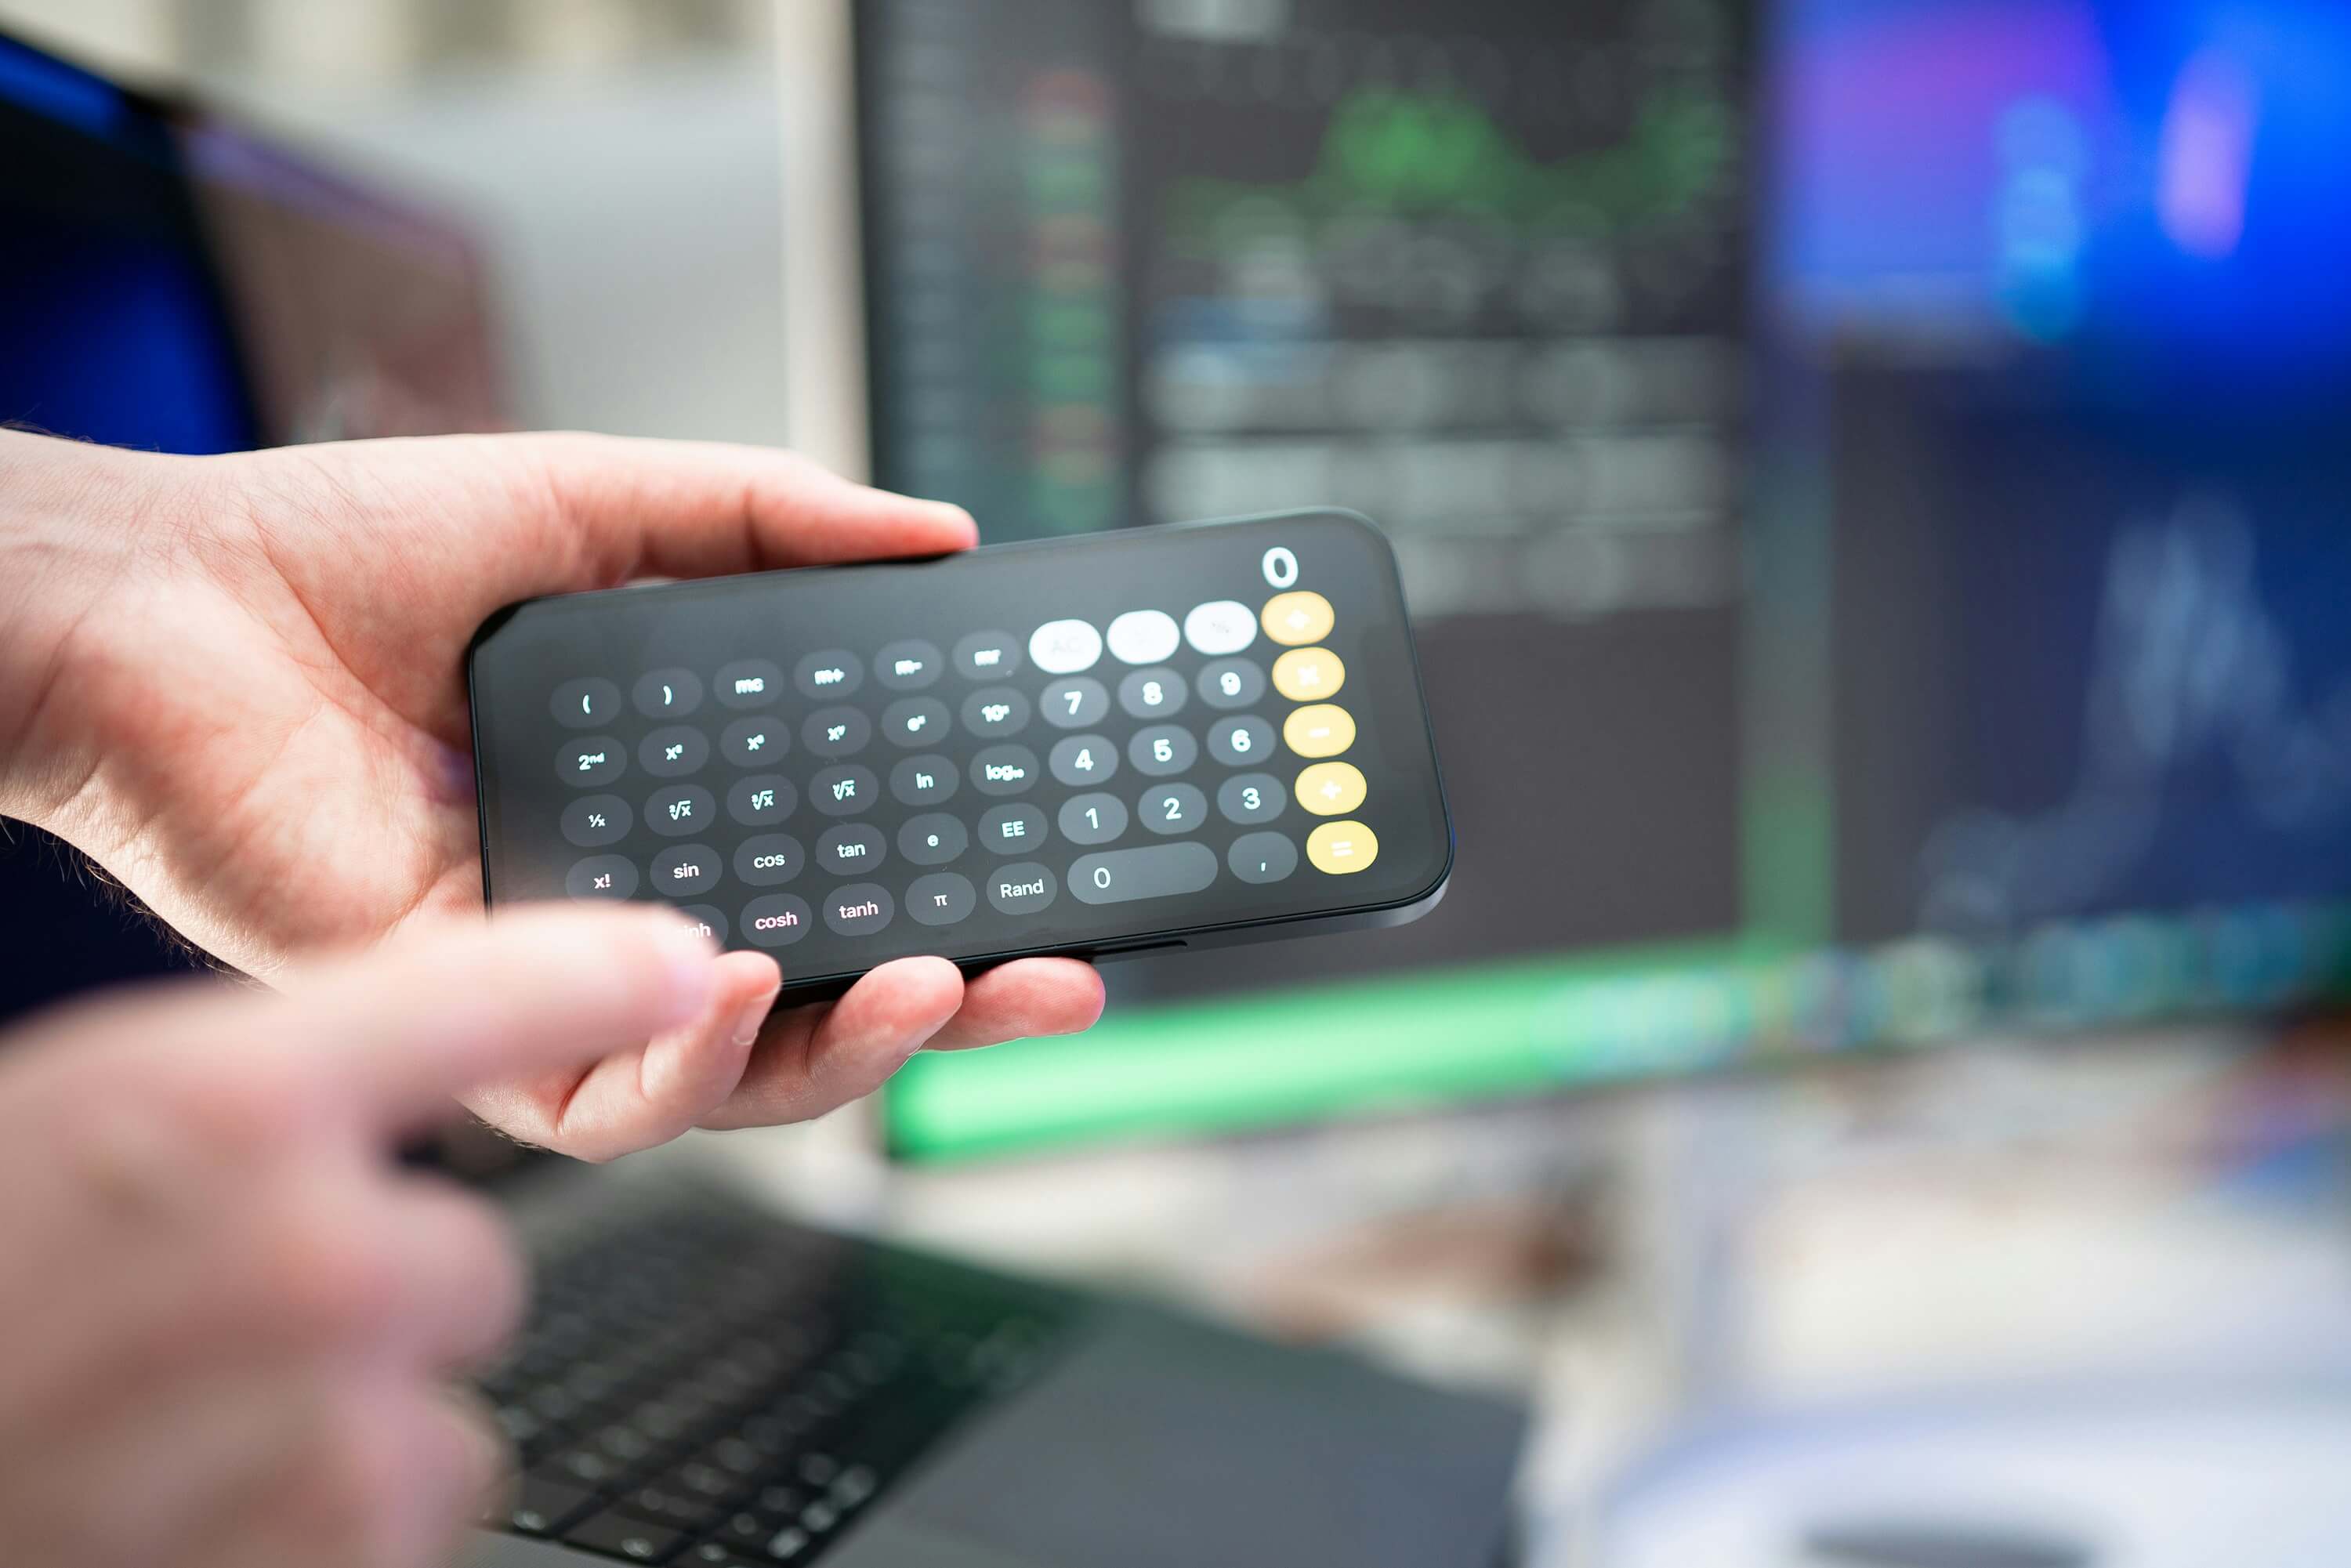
(1338, 849)
(1309, 675)
(1327, 789)
(1299, 618)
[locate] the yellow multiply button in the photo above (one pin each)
(1299, 618)
(1326, 729)
(1309, 675)
(1340, 847)
(1327, 789)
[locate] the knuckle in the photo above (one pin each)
(322, 1276)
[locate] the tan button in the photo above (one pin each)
(1309, 675)
(1326, 729)
(1340, 848)
(1299, 618)
(1327, 789)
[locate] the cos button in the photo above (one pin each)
(768, 860)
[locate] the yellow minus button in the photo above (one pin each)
(1327, 789)
(1326, 729)
(1338, 849)
(1298, 618)
(1309, 675)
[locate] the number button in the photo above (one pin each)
(851, 851)
(1240, 740)
(680, 809)
(1323, 730)
(914, 721)
(668, 694)
(834, 673)
(1004, 770)
(932, 839)
(710, 921)
(1331, 788)
(1309, 675)
(778, 920)
(1076, 704)
(1342, 849)
(597, 820)
(749, 682)
(760, 799)
(1153, 694)
(1220, 627)
(859, 910)
(601, 876)
(1011, 830)
(1142, 636)
(1022, 889)
(1251, 799)
(752, 742)
(598, 760)
(924, 781)
(585, 703)
(1082, 760)
(1231, 683)
(996, 713)
(1064, 647)
(673, 751)
(768, 860)
(1162, 751)
(843, 791)
(1300, 618)
(1092, 819)
(1157, 871)
(1172, 809)
(987, 655)
(941, 898)
(685, 869)
(1262, 857)
(836, 732)
(908, 666)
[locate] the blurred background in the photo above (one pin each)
(1870, 477)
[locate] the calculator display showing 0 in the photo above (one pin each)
(1190, 735)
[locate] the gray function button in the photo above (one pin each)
(836, 732)
(932, 839)
(761, 799)
(1172, 809)
(1075, 703)
(1021, 889)
(857, 910)
(941, 898)
(1012, 830)
(924, 780)
(987, 655)
(1092, 819)
(1231, 683)
(1240, 740)
(1151, 694)
(585, 703)
(601, 876)
(1262, 857)
(1251, 799)
(843, 791)
(680, 809)
(1156, 871)
(996, 712)
(914, 721)
(1080, 760)
(708, 920)
(777, 920)
(685, 869)
(754, 742)
(1162, 751)
(1004, 770)
(834, 672)
(748, 683)
(851, 851)
(668, 694)
(768, 860)
(598, 760)
(673, 751)
(595, 821)
(908, 665)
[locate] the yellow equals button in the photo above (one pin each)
(1341, 849)
(1326, 729)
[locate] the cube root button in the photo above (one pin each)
(1331, 788)
(1326, 729)
(1342, 849)
(1298, 618)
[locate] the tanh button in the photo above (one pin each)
(1328, 788)
(1326, 729)
(1309, 675)
(1342, 849)
(1298, 618)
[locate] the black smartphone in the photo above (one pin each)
(1183, 736)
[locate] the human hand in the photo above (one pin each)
(230, 1319)
(237, 683)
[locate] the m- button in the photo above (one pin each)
(1341, 849)
(1298, 618)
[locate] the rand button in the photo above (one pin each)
(682, 871)
(1251, 798)
(768, 860)
(668, 694)
(760, 799)
(932, 839)
(1004, 770)
(748, 683)
(1065, 647)
(601, 876)
(680, 809)
(1142, 636)
(924, 781)
(594, 821)
(941, 898)
(776, 920)
(1230, 684)
(1013, 830)
(673, 751)
(1219, 627)
(585, 703)
(1331, 788)
(1094, 819)
(1309, 675)
(987, 655)
(1326, 729)
(1023, 888)
(843, 791)
(860, 909)
(598, 760)
(1153, 871)
(1342, 848)
(1262, 857)
(750, 742)
(832, 673)
(1298, 618)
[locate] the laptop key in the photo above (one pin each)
(665, 1505)
(542, 1507)
(631, 1539)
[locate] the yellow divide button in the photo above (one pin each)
(1338, 849)
(1309, 675)
(1326, 729)
(1299, 618)
(1327, 789)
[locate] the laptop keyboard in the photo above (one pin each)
(710, 1386)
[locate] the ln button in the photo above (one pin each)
(1323, 730)
(1309, 675)
(1299, 618)
(1341, 849)
(1329, 789)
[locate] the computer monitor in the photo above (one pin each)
(1759, 400)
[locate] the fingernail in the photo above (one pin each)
(754, 1014)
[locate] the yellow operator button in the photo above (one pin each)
(1299, 618)
(1327, 789)
(1326, 729)
(1309, 675)
(1341, 849)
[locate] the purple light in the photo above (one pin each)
(2204, 154)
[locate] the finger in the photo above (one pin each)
(1021, 1000)
(459, 1281)
(817, 1059)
